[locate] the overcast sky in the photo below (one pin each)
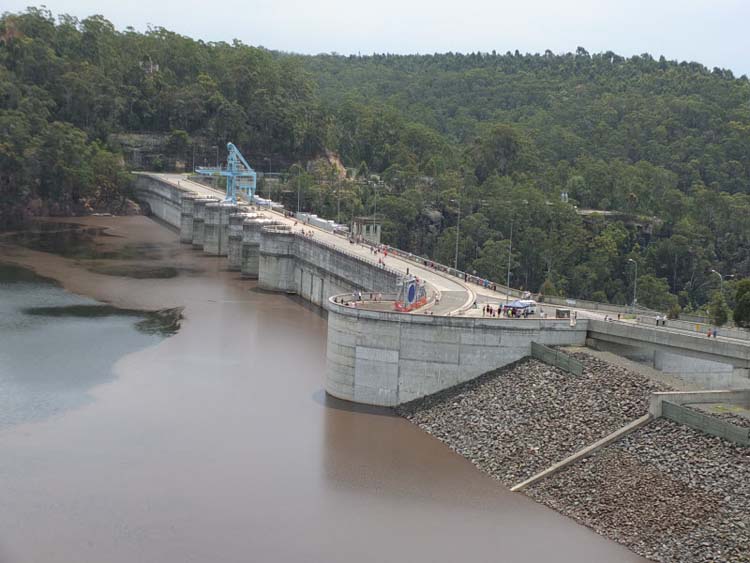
(712, 32)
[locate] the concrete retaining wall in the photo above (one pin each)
(736, 354)
(555, 357)
(706, 423)
(386, 359)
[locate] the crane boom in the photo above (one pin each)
(241, 178)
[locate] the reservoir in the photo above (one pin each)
(122, 441)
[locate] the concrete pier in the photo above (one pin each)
(227, 210)
(251, 233)
(216, 228)
(277, 257)
(234, 239)
(199, 220)
(186, 218)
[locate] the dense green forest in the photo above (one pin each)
(503, 146)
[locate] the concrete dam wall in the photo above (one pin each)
(164, 200)
(384, 358)
(293, 263)
(374, 357)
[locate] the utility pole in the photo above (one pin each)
(635, 284)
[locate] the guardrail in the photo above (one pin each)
(695, 327)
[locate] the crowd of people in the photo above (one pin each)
(501, 311)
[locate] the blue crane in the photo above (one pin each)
(239, 174)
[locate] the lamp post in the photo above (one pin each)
(721, 281)
(635, 283)
(267, 182)
(721, 277)
(338, 204)
(215, 179)
(297, 191)
(458, 232)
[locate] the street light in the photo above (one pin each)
(267, 182)
(298, 170)
(721, 277)
(458, 231)
(635, 284)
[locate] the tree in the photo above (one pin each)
(718, 310)
(177, 143)
(654, 293)
(493, 261)
(742, 307)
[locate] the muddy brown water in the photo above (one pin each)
(219, 444)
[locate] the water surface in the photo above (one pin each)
(56, 346)
(218, 443)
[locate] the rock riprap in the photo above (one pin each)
(666, 491)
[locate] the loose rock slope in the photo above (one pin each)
(666, 491)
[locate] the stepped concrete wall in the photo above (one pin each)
(389, 358)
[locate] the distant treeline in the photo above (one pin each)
(499, 140)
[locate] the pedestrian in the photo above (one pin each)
(716, 333)
(618, 316)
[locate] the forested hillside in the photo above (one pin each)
(67, 85)
(666, 143)
(493, 139)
